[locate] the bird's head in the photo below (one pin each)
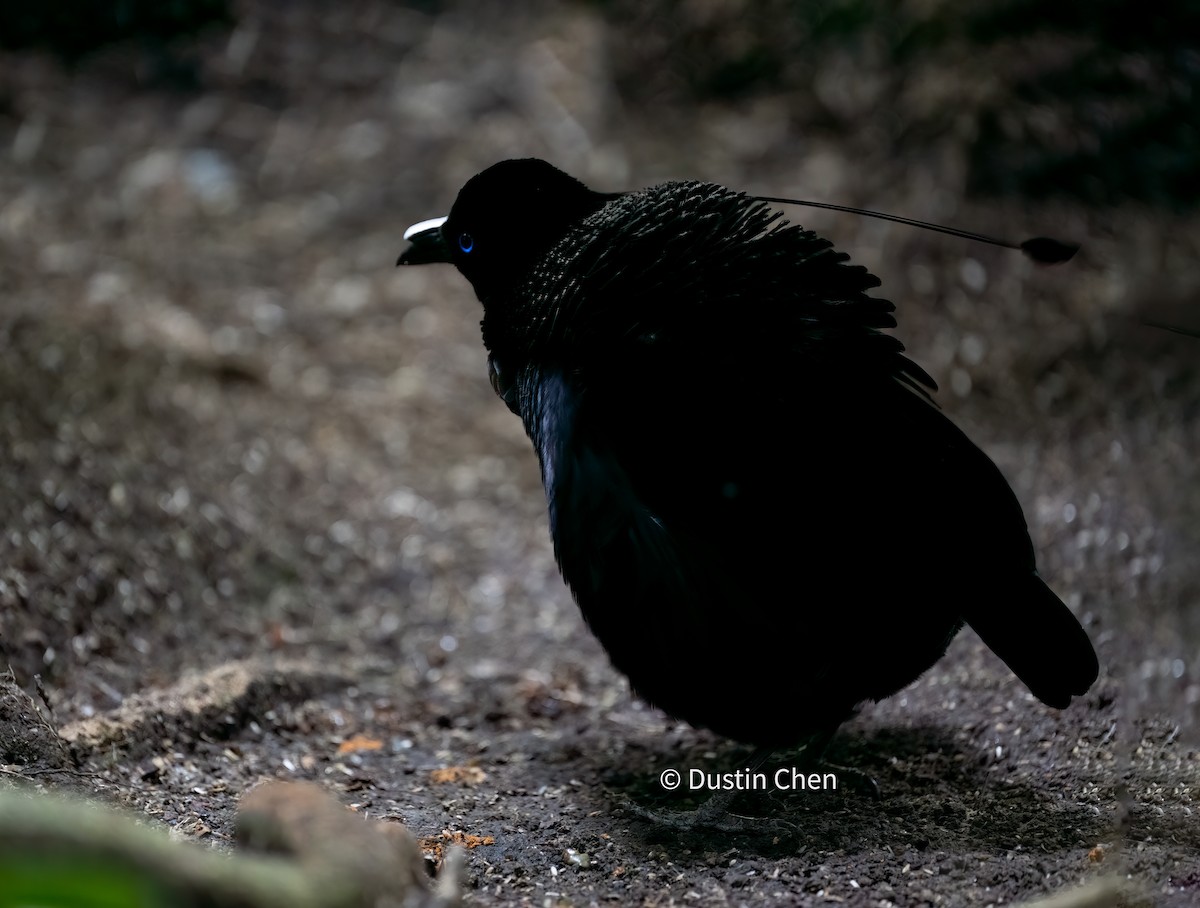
(503, 222)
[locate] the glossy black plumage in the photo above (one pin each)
(761, 513)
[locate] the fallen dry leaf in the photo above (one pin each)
(359, 743)
(435, 845)
(465, 775)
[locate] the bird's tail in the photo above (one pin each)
(1036, 635)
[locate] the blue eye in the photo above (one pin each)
(466, 242)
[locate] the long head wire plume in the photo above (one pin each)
(1043, 250)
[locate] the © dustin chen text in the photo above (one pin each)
(783, 779)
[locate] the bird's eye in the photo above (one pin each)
(466, 242)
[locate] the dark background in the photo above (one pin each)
(231, 429)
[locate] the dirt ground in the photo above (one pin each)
(238, 444)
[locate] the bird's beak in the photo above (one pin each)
(428, 244)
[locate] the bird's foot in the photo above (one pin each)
(811, 758)
(857, 778)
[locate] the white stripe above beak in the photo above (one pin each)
(431, 224)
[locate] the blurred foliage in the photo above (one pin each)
(1097, 100)
(73, 882)
(1116, 116)
(74, 28)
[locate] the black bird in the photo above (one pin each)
(761, 512)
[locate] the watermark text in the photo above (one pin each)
(787, 778)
